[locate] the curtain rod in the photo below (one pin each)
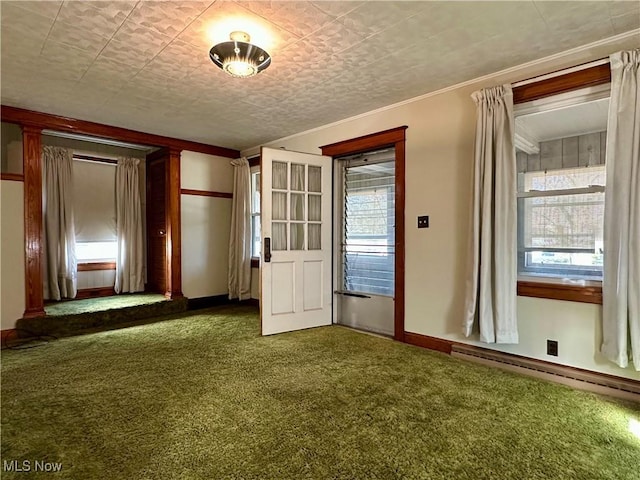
(564, 71)
(95, 159)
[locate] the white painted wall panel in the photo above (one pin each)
(12, 297)
(200, 171)
(206, 223)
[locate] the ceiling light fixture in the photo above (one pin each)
(239, 58)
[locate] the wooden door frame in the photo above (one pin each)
(395, 137)
(173, 255)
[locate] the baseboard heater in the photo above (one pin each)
(573, 377)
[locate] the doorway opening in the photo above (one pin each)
(380, 148)
(365, 240)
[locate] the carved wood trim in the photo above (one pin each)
(559, 291)
(588, 77)
(65, 124)
(31, 154)
(205, 193)
(174, 249)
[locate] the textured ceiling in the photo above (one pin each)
(144, 65)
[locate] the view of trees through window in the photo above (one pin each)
(562, 228)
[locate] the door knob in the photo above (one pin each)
(267, 249)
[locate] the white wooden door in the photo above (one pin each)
(296, 241)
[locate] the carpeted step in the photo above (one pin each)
(70, 324)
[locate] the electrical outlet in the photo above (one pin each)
(552, 347)
(423, 222)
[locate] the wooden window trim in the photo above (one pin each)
(205, 193)
(560, 291)
(587, 77)
(395, 137)
(95, 266)
(255, 262)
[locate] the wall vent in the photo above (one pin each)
(573, 377)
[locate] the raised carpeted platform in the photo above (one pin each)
(82, 316)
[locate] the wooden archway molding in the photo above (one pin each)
(32, 124)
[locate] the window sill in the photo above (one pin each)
(255, 262)
(590, 292)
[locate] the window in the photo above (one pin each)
(255, 212)
(94, 211)
(368, 226)
(561, 223)
(87, 252)
(560, 150)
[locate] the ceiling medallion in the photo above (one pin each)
(239, 58)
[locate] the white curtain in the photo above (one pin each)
(621, 284)
(240, 241)
(130, 260)
(492, 281)
(59, 230)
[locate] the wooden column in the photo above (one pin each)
(34, 252)
(174, 236)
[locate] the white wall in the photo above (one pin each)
(439, 152)
(205, 224)
(12, 299)
(96, 279)
(255, 283)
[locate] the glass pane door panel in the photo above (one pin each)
(297, 177)
(279, 236)
(315, 230)
(315, 179)
(297, 236)
(368, 228)
(315, 208)
(279, 205)
(279, 180)
(297, 206)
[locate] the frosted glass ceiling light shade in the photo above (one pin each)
(239, 58)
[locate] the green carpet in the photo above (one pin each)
(202, 396)
(89, 305)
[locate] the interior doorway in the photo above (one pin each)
(365, 240)
(383, 150)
